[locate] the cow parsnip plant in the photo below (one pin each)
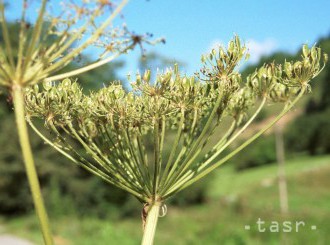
(45, 48)
(106, 132)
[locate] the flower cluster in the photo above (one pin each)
(115, 127)
(62, 34)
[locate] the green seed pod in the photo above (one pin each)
(185, 83)
(191, 82)
(305, 50)
(288, 69)
(138, 79)
(314, 53)
(146, 76)
(203, 60)
(231, 47)
(47, 85)
(36, 88)
(222, 53)
(66, 82)
(325, 58)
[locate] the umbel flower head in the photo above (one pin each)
(109, 132)
(56, 40)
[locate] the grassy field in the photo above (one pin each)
(235, 200)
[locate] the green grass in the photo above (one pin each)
(236, 200)
(229, 182)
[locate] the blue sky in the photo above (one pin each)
(193, 27)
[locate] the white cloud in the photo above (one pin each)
(258, 49)
(215, 44)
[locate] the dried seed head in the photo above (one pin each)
(115, 126)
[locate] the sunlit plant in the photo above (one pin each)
(60, 35)
(108, 132)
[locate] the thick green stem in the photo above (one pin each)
(29, 164)
(151, 223)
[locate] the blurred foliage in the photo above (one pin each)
(13, 184)
(194, 195)
(260, 153)
(310, 133)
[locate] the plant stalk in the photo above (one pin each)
(30, 168)
(151, 223)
